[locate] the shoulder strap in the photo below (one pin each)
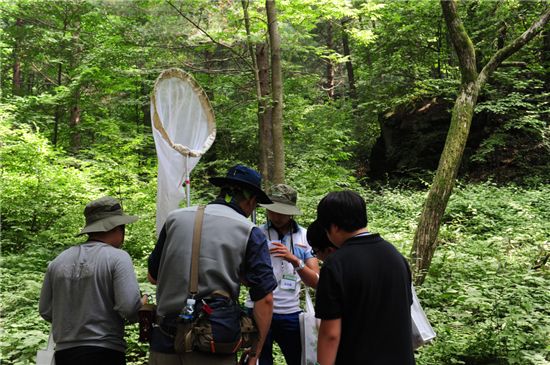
(194, 277)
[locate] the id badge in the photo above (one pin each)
(288, 282)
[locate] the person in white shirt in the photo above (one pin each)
(293, 263)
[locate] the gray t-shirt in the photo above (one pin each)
(88, 292)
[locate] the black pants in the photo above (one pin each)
(89, 355)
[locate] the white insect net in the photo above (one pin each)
(184, 129)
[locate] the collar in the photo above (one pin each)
(293, 227)
(231, 205)
(365, 237)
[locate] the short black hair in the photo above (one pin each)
(346, 209)
(317, 236)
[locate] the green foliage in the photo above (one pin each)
(39, 191)
(517, 112)
(486, 281)
(23, 331)
(486, 290)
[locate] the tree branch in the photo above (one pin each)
(462, 44)
(209, 36)
(513, 47)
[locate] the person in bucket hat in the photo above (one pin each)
(104, 214)
(232, 251)
(90, 290)
(293, 263)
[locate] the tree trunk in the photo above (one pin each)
(330, 66)
(349, 65)
(260, 68)
(545, 58)
(276, 94)
(57, 115)
(264, 115)
(74, 123)
(425, 240)
(17, 84)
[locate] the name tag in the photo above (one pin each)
(288, 282)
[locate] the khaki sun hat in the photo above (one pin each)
(284, 200)
(104, 214)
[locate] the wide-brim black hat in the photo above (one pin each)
(246, 177)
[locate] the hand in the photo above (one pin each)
(252, 360)
(247, 358)
(280, 250)
(144, 299)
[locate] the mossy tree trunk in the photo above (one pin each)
(425, 240)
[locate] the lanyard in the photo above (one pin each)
(291, 237)
(291, 246)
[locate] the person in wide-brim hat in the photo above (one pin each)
(284, 200)
(90, 290)
(104, 214)
(293, 264)
(245, 177)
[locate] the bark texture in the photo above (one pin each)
(276, 94)
(260, 68)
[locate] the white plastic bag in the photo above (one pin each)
(422, 331)
(46, 356)
(309, 329)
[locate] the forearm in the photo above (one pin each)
(263, 311)
(328, 341)
(45, 304)
(309, 277)
(310, 273)
(127, 298)
(151, 279)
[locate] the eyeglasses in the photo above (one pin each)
(317, 250)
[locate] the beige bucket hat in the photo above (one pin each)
(104, 214)
(284, 200)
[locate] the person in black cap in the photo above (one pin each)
(232, 251)
(90, 290)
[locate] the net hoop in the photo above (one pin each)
(205, 103)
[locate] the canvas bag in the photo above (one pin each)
(223, 329)
(46, 356)
(309, 328)
(422, 331)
